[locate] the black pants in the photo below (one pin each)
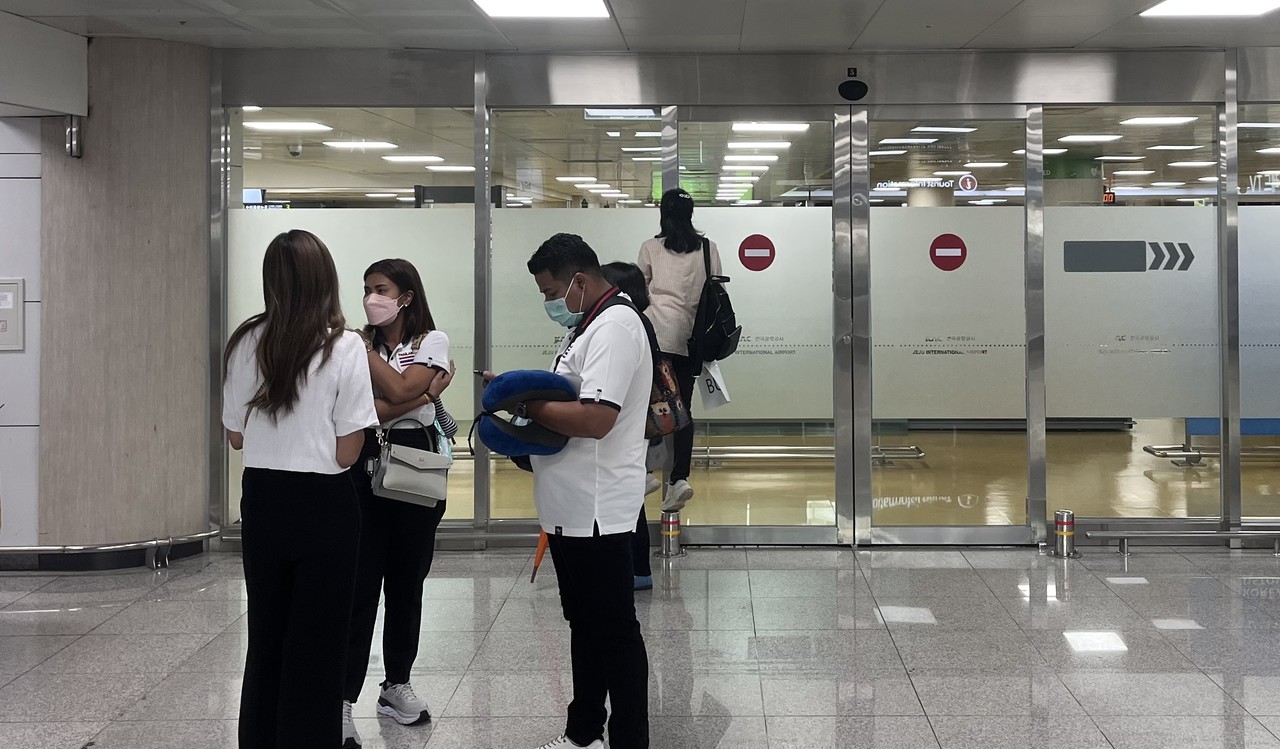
(609, 659)
(300, 532)
(640, 547)
(686, 374)
(397, 544)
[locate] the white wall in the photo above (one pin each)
(20, 370)
(42, 69)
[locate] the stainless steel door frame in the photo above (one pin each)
(1034, 530)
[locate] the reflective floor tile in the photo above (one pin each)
(969, 732)
(1078, 613)
(767, 583)
(701, 652)
(495, 733)
(696, 614)
(484, 563)
(863, 693)
(174, 617)
(858, 612)
(1110, 693)
(526, 614)
(521, 651)
(683, 694)
(202, 586)
(223, 654)
(509, 695)
(1012, 559)
(1045, 584)
(1034, 693)
(708, 732)
(1142, 562)
(942, 613)
(795, 613)
(384, 733)
(21, 654)
(1133, 651)
(193, 696)
(802, 559)
(1241, 650)
(966, 649)
(1225, 613)
(688, 584)
(119, 587)
(124, 654)
(840, 652)
(455, 615)
(1257, 693)
(927, 583)
(457, 586)
(41, 698)
(709, 559)
(436, 688)
(1167, 588)
(48, 735)
(199, 734)
(1233, 732)
(437, 651)
(916, 559)
(850, 733)
(56, 619)
(15, 587)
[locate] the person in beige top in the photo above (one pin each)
(675, 271)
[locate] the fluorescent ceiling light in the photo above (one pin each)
(1015, 188)
(1194, 163)
(643, 149)
(921, 180)
(1095, 642)
(745, 168)
(288, 127)
(1120, 158)
(452, 168)
(750, 157)
(1045, 151)
(379, 195)
(1126, 188)
(988, 201)
(886, 153)
(1159, 120)
(352, 145)
(405, 200)
(772, 145)
(877, 200)
(950, 174)
(770, 127)
(544, 8)
(575, 179)
(631, 202)
(749, 202)
(907, 141)
(1133, 172)
(251, 108)
(1269, 150)
(1208, 179)
(599, 190)
(1175, 148)
(986, 164)
(1089, 138)
(615, 194)
(1194, 200)
(597, 186)
(646, 158)
(613, 114)
(1201, 8)
(649, 134)
(1128, 581)
(613, 133)
(1258, 124)
(728, 178)
(932, 129)
(413, 159)
(1168, 184)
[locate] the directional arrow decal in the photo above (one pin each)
(1125, 256)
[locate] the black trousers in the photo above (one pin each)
(608, 653)
(640, 547)
(686, 372)
(300, 532)
(397, 545)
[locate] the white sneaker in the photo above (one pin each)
(350, 736)
(564, 743)
(400, 703)
(678, 495)
(651, 484)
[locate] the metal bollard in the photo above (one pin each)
(670, 537)
(1064, 530)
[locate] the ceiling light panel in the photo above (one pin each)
(446, 168)
(907, 141)
(1157, 121)
(763, 145)
(413, 159)
(288, 127)
(1119, 158)
(986, 164)
(1086, 138)
(1175, 148)
(615, 114)
(1214, 8)
(544, 8)
(361, 145)
(1133, 172)
(749, 157)
(936, 129)
(770, 127)
(1193, 163)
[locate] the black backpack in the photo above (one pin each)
(715, 328)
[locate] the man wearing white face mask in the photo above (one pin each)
(589, 494)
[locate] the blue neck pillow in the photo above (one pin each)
(505, 393)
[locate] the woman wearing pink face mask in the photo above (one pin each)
(409, 366)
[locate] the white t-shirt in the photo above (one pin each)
(600, 482)
(434, 353)
(335, 400)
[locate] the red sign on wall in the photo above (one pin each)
(948, 252)
(756, 252)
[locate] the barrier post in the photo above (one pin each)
(1064, 532)
(670, 547)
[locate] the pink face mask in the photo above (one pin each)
(380, 310)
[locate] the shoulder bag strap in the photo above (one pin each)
(706, 256)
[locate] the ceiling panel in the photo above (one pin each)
(1021, 31)
(829, 25)
(87, 25)
(931, 24)
(580, 34)
(706, 17)
(682, 43)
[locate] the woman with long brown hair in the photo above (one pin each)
(296, 399)
(408, 360)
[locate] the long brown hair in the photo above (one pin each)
(417, 315)
(302, 317)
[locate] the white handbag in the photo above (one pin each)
(411, 474)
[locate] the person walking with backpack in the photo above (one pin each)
(675, 264)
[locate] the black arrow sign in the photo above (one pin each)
(1125, 256)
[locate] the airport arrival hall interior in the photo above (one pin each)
(995, 463)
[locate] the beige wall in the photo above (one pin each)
(125, 235)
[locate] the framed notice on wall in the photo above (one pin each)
(12, 299)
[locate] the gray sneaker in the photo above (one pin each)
(399, 702)
(350, 736)
(677, 496)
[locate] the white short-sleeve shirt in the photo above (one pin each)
(335, 400)
(434, 353)
(592, 482)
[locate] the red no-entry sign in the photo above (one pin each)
(756, 252)
(948, 252)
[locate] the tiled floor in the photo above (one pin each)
(768, 649)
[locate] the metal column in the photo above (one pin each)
(219, 185)
(1034, 289)
(484, 281)
(670, 149)
(1229, 294)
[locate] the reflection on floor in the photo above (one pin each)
(748, 649)
(966, 478)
